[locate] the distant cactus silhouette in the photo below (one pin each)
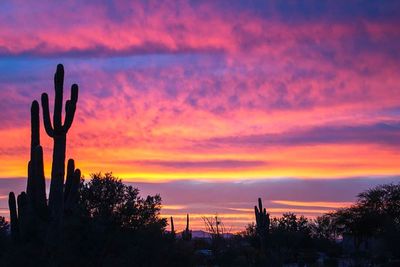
(262, 222)
(30, 215)
(187, 234)
(172, 228)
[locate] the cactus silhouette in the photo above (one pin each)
(58, 132)
(36, 188)
(172, 228)
(262, 222)
(262, 219)
(187, 234)
(31, 216)
(13, 216)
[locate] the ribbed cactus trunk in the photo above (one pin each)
(56, 201)
(58, 132)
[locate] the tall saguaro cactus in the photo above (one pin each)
(58, 131)
(29, 212)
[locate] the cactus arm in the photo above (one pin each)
(22, 214)
(69, 178)
(30, 182)
(35, 141)
(58, 87)
(70, 108)
(39, 182)
(13, 216)
(35, 135)
(73, 195)
(46, 115)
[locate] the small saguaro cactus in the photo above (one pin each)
(172, 228)
(262, 220)
(58, 132)
(187, 234)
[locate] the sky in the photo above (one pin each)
(212, 104)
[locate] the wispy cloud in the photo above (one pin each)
(322, 204)
(384, 133)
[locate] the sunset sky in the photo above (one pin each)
(212, 104)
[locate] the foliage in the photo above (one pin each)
(114, 225)
(4, 226)
(323, 227)
(106, 199)
(376, 215)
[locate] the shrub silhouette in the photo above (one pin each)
(376, 214)
(116, 226)
(107, 200)
(3, 227)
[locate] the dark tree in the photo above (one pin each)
(376, 215)
(4, 226)
(106, 199)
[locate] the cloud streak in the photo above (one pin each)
(234, 200)
(380, 133)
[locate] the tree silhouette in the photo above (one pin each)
(376, 214)
(107, 200)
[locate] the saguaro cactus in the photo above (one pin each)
(262, 219)
(262, 222)
(36, 187)
(58, 132)
(29, 213)
(172, 228)
(187, 234)
(31, 205)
